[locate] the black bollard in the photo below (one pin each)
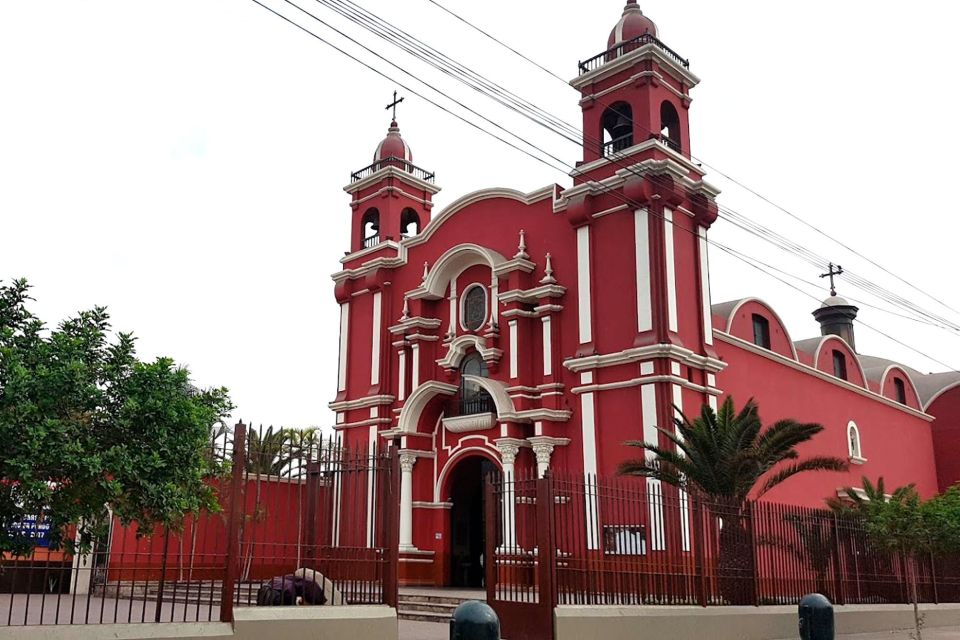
(816, 618)
(474, 620)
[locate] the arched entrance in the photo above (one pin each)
(467, 531)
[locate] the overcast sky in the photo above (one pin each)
(182, 162)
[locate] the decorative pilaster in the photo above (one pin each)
(509, 448)
(543, 447)
(407, 460)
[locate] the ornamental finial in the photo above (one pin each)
(406, 309)
(522, 247)
(548, 272)
(426, 271)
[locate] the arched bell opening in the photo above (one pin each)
(370, 228)
(617, 125)
(409, 223)
(670, 126)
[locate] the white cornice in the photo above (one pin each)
(466, 424)
(638, 354)
(817, 373)
(416, 322)
(361, 403)
(532, 295)
(514, 264)
(392, 172)
(379, 193)
(636, 382)
(361, 423)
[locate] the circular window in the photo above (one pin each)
(474, 311)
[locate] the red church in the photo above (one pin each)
(524, 332)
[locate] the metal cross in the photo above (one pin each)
(830, 274)
(393, 105)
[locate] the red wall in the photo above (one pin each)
(946, 437)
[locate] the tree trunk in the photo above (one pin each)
(735, 570)
(912, 579)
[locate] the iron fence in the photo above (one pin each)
(290, 500)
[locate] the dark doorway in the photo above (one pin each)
(467, 532)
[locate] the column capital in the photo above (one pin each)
(509, 448)
(408, 458)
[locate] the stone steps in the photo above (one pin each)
(428, 608)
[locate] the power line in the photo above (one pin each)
(474, 125)
(712, 168)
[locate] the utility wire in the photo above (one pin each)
(713, 168)
(612, 192)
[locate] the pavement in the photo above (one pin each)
(907, 634)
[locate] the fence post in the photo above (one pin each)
(839, 566)
(392, 546)
(233, 522)
(310, 526)
(933, 579)
(163, 575)
(698, 532)
(754, 560)
(490, 538)
(546, 543)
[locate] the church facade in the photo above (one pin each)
(528, 332)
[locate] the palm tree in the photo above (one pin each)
(730, 457)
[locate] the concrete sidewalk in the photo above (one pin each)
(928, 634)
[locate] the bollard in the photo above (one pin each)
(816, 618)
(474, 620)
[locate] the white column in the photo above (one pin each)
(407, 460)
(648, 415)
(344, 331)
(377, 338)
(494, 302)
(415, 366)
(641, 224)
(589, 433)
(402, 375)
(547, 346)
(372, 480)
(705, 287)
(583, 285)
(712, 383)
(671, 270)
(452, 329)
(509, 449)
(514, 346)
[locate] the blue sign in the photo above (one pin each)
(33, 527)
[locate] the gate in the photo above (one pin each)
(520, 575)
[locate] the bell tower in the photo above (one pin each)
(635, 97)
(391, 198)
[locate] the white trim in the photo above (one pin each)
(886, 372)
(670, 252)
(629, 60)
(453, 307)
(733, 314)
(637, 354)
(949, 387)
(402, 375)
(856, 358)
(344, 334)
(705, 286)
(371, 482)
(712, 383)
(648, 413)
(377, 338)
(547, 347)
(489, 450)
(583, 285)
(817, 373)
(514, 349)
(855, 450)
(361, 403)
(450, 265)
(418, 400)
(589, 437)
(466, 424)
(636, 382)
(641, 225)
(458, 347)
(658, 538)
(415, 367)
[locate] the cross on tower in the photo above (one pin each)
(393, 105)
(830, 274)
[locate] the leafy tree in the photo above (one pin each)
(84, 423)
(730, 457)
(903, 525)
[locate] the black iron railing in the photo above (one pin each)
(399, 163)
(669, 143)
(469, 405)
(600, 59)
(617, 144)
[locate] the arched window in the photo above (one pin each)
(853, 443)
(473, 398)
(617, 126)
(761, 331)
(370, 228)
(409, 223)
(901, 390)
(670, 126)
(474, 310)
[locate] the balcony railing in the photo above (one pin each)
(470, 405)
(399, 163)
(617, 145)
(601, 59)
(371, 241)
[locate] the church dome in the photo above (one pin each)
(632, 25)
(835, 301)
(393, 146)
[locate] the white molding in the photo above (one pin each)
(417, 402)
(344, 342)
(641, 228)
(414, 366)
(514, 349)
(733, 314)
(588, 426)
(831, 337)
(377, 338)
(636, 354)
(532, 295)
(648, 413)
(420, 504)
(461, 304)
(466, 424)
(361, 403)
(390, 171)
(886, 372)
(817, 373)
(670, 166)
(636, 382)
(705, 302)
(416, 322)
(361, 423)
(584, 299)
(547, 346)
(949, 387)
(450, 265)
(402, 375)
(457, 349)
(630, 59)
(670, 250)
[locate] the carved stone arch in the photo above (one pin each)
(418, 401)
(454, 262)
(501, 399)
(461, 346)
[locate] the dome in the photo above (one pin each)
(835, 301)
(632, 25)
(393, 146)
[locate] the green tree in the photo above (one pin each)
(86, 424)
(730, 457)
